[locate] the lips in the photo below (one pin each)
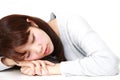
(46, 50)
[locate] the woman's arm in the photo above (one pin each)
(6, 63)
(54, 70)
(37, 67)
(98, 58)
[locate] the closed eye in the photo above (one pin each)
(27, 54)
(33, 38)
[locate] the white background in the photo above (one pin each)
(102, 15)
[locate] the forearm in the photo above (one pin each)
(2, 65)
(54, 70)
(8, 62)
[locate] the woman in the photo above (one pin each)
(26, 39)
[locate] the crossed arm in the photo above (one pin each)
(39, 67)
(36, 67)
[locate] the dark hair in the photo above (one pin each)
(13, 33)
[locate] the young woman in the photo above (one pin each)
(32, 43)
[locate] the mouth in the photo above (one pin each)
(46, 50)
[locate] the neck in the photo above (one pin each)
(53, 25)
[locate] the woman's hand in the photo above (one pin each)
(8, 62)
(37, 67)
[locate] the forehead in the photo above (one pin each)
(32, 32)
(22, 47)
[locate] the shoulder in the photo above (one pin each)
(74, 21)
(75, 24)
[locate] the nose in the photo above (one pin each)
(37, 48)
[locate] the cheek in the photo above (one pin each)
(33, 56)
(39, 38)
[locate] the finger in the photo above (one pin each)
(44, 68)
(37, 67)
(28, 65)
(27, 71)
(23, 63)
(30, 71)
(49, 63)
(44, 73)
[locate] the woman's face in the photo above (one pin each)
(38, 46)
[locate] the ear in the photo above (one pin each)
(32, 22)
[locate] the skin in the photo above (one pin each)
(38, 46)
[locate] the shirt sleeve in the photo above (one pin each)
(99, 60)
(2, 66)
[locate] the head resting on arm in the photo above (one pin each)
(14, 32)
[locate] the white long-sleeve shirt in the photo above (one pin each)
(86, 52)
